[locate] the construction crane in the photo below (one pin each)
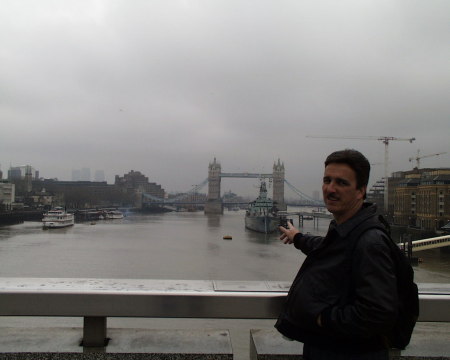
(418, 158)
(385, 140)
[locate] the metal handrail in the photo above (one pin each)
(426, 244)
(97, 299)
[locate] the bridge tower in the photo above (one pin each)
(214, 202)
(278, 185)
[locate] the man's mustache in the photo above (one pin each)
(332, 197)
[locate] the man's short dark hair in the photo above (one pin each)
(357, 161)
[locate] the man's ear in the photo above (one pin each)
(363, 192)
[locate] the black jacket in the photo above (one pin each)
(352, 287)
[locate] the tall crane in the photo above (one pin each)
(418, 158)
(385, 140)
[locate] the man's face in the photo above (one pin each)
(340, 193)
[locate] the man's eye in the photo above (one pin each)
(341, 182)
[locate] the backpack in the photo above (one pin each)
(408, 294)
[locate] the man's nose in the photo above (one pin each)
(331, 186)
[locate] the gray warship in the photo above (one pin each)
(261, 215)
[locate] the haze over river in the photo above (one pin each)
(183, 245)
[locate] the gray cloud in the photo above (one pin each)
(164, 86)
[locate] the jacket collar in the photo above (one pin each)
(367, 210)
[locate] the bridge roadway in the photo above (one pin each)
(246, 175)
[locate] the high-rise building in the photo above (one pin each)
(99, 175)
(21, 172)
(85, 174)
(76, 175)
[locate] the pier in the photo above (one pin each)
(305, 216)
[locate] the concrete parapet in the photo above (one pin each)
(126, 344)
(430, 341)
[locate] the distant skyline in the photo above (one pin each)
(164, 86)
(84, 174)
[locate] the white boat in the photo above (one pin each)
(113, 214)
(57, 218)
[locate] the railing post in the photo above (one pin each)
(94, 331)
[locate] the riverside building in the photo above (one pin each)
(420, 198)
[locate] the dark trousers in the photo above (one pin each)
(311, 352)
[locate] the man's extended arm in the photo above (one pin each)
(304, 242)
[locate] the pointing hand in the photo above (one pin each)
(287, 235)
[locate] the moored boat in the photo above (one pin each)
(113, 214)
(261, 215)
(57, 218)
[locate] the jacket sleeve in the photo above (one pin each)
(372, 307)
(306, 242)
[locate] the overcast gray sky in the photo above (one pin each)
(164, 86)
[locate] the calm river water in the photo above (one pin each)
(187, 245)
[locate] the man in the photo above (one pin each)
(343, 302)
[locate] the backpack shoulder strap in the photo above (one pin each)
(372, 223)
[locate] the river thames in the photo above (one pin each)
(183, 245)
(177, 245)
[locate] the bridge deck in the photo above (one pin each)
(426, 244)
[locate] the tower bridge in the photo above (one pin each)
(214, 203)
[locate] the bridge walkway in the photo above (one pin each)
(427, 244)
